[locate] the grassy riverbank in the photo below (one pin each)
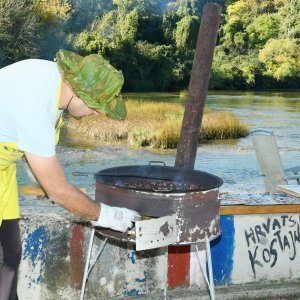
(154, 124)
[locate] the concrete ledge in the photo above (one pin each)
(262, 291)
(261, 249)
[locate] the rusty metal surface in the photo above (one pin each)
(188, 141)
(197, 212)
(156, 233)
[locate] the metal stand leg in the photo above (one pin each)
(97, 257)
(87, 263)
(210, 280)
(166, 273)
(88, 268)
(210, 270)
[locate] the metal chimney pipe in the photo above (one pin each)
(198, 86)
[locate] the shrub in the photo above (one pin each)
(18, 31)
(52, 11)
(163, 135)
(155, 125)
(281, 58)
(223, 125)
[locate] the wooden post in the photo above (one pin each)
(188, 141)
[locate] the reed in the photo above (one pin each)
(223, 125)
(156, 125)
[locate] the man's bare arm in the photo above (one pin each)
(50, 175)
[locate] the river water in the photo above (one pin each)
(233, 160)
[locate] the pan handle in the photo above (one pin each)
(129, 175)
(157, 162)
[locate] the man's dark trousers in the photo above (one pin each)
(10, 257)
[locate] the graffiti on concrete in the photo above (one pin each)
(35, 245)
(269, 240)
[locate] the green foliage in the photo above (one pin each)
(39, 28)
(169, 21)
(146, 66)
(230, 72)
(156, 66)
(84, 12)
(53, 16)
(188, 8)
(102, 32)
(150, 29)
(186, 33)
(18, 31)
(281, 59)
(52, 11)
(153, 41)
(289, 12)
(127, 26)
(259, 45)
(263, 28)
(111, 30)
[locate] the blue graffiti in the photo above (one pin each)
(132, 257)
(132, 292)
(35, 245)
(222, 252)
(38, 280)
(142, 279)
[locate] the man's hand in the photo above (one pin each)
(116, 218)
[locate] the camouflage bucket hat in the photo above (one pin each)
(94, 81)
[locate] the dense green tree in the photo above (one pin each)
(289, 13)
(156, 66)
(53, 16)
(234, 37)
(281, 59)
(150, 29)
(169, 23)
(111, 30)
(263, 28)
(234, 72)
(84, 12)
(186, 33)
(153, 41)
(146, 65)
(51, 11)
(254, 38)
(18, 31)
